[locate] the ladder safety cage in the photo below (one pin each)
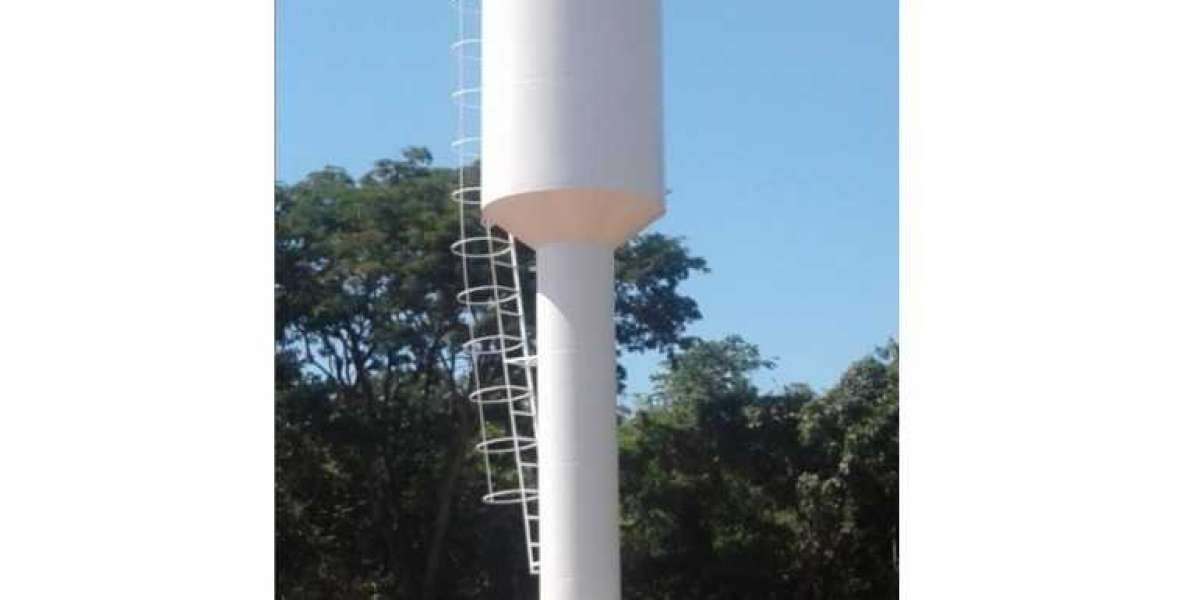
(501, 361)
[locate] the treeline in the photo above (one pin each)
(726, 492)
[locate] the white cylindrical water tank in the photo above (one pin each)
(571, 123)
(572, 164)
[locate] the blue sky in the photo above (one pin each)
(781, 152)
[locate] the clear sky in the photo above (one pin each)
(781, 151)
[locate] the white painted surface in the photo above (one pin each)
(572, 118)
(572, 162)
(577, 442)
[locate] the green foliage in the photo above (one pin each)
(726, 492)
(377, 487)
(651, 314)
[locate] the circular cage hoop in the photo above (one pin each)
(466, 148)
(470, 140)
(482, 246)
(510, 497)
(487, 295)
(510, 394)
(460, 195)
(502, 343)
(504, 444)
(465, 42)
(466, 92)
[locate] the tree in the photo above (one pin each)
(726, 491)
(651, 314)
(729, 493)
(374, 435)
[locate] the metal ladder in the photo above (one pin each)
(501, 360)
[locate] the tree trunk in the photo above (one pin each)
(445, 499)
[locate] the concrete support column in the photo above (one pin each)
(577, 442)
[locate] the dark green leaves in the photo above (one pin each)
(729, 493)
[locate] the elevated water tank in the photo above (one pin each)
(572, 158)
(572, 118)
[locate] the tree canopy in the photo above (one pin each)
(726, 492)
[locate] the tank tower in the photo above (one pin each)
(570, 142)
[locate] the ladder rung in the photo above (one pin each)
(523, 413)
(527, 464)
(522, 361)
(496, 261)
(532, 517)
